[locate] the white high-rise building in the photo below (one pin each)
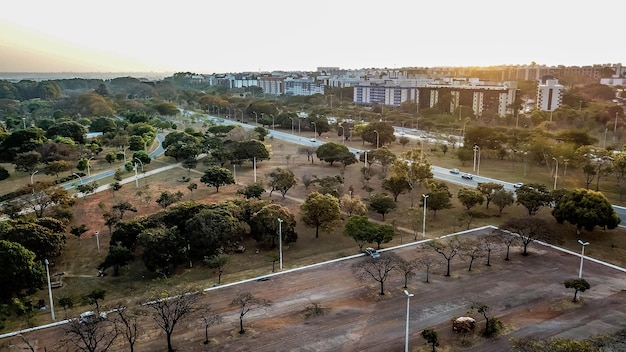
(549, 95)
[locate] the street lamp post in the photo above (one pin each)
(88, 166)
(582, 256)
(125, 153)
(408, 301)
(98, 240)
(33, 175)
(476, 149)
(377, 138)
(136, 178)
(256, 117)
(79, 178)
(291, 118)
(241, 111)
(49, 288)
(141, 162)
(556, 171)
(315, 131)
(24, 120)
(280, 243)
(343, 135)
(615, 127)
(228, 107)
(217, 108)
(424, 219)
(272, 115)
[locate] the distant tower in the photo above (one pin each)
(549, 94)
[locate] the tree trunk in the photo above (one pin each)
(448, 270)
(169, 342)
(241, 330)
(382, 288)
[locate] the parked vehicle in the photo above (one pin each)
(463, 324)
(518, 185)
(91, 317)
(467, 176)
(372, 252)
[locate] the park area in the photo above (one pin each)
(526, 293)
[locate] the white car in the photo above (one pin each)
(91, 317)
(313, 140)
(372, 252)
(467, 176)
(518, 185)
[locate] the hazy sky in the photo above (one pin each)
(206, 36)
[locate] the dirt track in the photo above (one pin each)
(527, 294)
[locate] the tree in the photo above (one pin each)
(253, 190)
(352, 205)
(407, 268)
(579, 285)
(190, 163)
(472, 249)
(246, 302)
(382, 233)
(378, 269)
(90, 336)
(162, 250)
(438, 198)
(21, 271)
(209, 318)
(470, 197)
(44, 195)
(585, 209)
(265, 227)
(216, 176)
(552, 345)
(431, 338)
(448, 249)
(529, 230)
(488, 189)
(166, 198)
(56, 166)
(217, 262)
(94, 297)
(428, 262)
(533, 197)
(332, 152)
(169, 310)
(250, 150)
(88, 188)
(126, 325)
(118, 256)
(502, 199)
(27, 161)
(123, 207)
(492, 325)
(282, 180)
(209, 230)
(382, 204)
(37, 238)
(320, 211)
(359, 228)
(396, 184)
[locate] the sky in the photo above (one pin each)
(204, 36)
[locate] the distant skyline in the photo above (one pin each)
(267, 35)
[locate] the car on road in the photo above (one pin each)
(313, 140)
(455, 171)
(90, 317)
(518, 185)
(372, 252)
(467, 176)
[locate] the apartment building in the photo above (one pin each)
(549, 95)
(303, 86)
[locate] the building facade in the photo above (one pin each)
(549, 95)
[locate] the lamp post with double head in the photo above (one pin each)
(377, 138)
(408, 301)
(582, 257)
(425, 196)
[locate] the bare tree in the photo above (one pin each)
(407, 268)
(472, 249)
(168, 311)
(378, 269)
(428, 262)
(126, 324)
(488, 243)
(448, 249)
(91, 334)
(529, 229)
(506, 238)
(209, 318)
(246, 302)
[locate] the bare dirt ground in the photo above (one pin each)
(527, 294)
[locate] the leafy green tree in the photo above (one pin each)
(136, 143)
(209, 230)
(382, 204)
(218, 262)
(533, 197)
(79, 230)
(127, 233)
(464, 154)
(111, 157)
(415, 167)
(384, 134)
(438, 198)
(253, 190)
(57, 166)
(118, 256)
(383, 233)
(166, 109)
(39, 239)
(94, 297)
(396, 184)
(282, 180)
(249, 150)
(103, 124)
(142, 156)
(216, 176)
(488, 189)
(44, 196)
(27, 161)
(190, 163)
(4, 174)
(360, 228)
(579, 285)
(166, 198)
(192, 186)
(88, 188)
(470, 197)
(382, 156)
(123, 207)
(332, 152)
(162, 250)
(585, 209)
(265, 227)
(21, 272)
(321, 211)
(502, 199)
(431, 338)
